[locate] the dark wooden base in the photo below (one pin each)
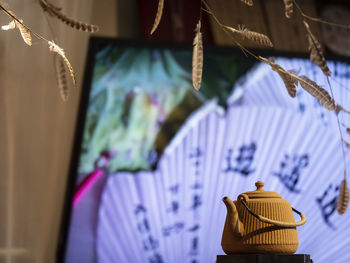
(264, 258)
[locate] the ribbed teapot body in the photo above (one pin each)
(260, 237)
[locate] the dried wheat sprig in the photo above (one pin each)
(312, 87)
(343, 197)
(197, 58)
(55, 11)
(57, 49)
(244, 32)
(61, 77)
(248, 2)
(316, 54)
(210, 12)
(14, 17)
(158, 15)
(288, 6)
(52, 45)
(27, 38)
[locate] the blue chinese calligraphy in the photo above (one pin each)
(174, 228)
(301, 104)
(156, 258)
(290, 170)
(149, 243)
(174, 205)
(194, 246)
(196, 202)
(243, 162)
(173, 208)
(327, 203)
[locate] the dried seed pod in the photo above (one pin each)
(197, 58)
(316, 54)
(56, 12)
(158, 15)
(289, 81)
(248, 2)
(343, 198)
(55, 48)
(61, 77)
(288, 6)
(319, 93)
(244, 32)
(27, 38)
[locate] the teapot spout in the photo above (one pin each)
(235, 223)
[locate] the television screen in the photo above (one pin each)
(153, 157)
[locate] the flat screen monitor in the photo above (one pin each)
(153, 157)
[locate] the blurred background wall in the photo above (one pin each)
(36, 127)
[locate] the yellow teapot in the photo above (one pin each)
(260, 222)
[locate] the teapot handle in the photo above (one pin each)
(275, 222)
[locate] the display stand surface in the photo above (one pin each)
(264, 258)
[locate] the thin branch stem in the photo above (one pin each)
(340, 132)
(319, 20)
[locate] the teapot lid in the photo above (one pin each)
(260, 193)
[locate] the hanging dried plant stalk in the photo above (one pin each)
(343, 198)
(158, 15)
(56, 12)
(316, 54)
(288, 6)
(55, 48)
(248, 2)
(27, 38)
(197, 58)
(244, 32)
(61, 77)
(289, 82)
(319, 93)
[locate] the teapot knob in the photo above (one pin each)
(259, 185)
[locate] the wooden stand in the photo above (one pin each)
(264, 258)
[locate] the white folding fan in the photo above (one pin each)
(175, 214)
(263, 87)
